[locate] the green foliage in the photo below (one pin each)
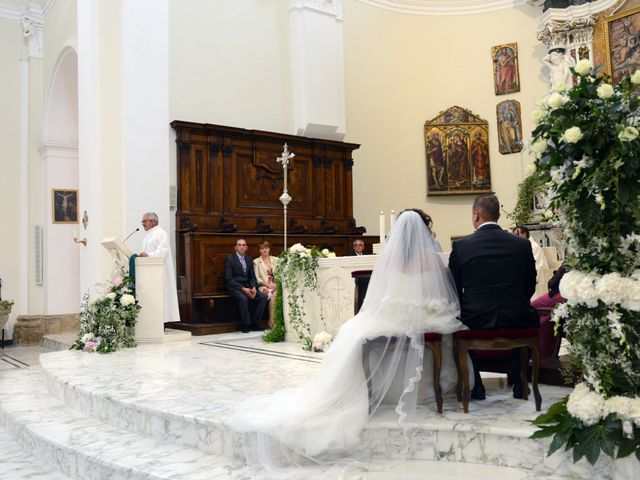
(522, 212)
(107, 323)
(586, 441)
(277, 332)
(6, 304)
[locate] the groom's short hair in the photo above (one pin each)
(488, 206)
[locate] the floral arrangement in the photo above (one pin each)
(296, 270)
(588, 155)
(107, 323)
(6, 304)
(321, 341)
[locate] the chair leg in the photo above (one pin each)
(535, 357)
(459, 382)
(463, 376)
(437, 366)
(524, 363)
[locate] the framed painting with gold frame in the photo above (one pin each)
(64, 204)
(622, 43)
(506, 75)
(457, 153)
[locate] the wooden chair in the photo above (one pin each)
(431, 341)
(499, 339)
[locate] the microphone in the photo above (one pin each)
(130, 234)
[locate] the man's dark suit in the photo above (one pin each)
(235, 278)
(495, 276)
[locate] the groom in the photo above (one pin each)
(495, 275)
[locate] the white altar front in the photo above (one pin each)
(332, 304)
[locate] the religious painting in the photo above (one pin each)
(509, 127)
(622, 38)
(506, 77)
(457, 153)
(65, 206)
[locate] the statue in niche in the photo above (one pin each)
(559, 65)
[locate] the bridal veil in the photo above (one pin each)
(410, 293)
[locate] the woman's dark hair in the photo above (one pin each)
(425, 217)
(554, 282)
(264, 244)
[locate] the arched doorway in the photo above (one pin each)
(62, 197)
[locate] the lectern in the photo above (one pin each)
(150, 292)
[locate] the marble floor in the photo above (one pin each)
(159, 411)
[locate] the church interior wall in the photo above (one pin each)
(10, 158)
(402, 70)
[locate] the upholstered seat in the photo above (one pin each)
(431, 341)
(498, 339)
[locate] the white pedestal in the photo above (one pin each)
(150, 292)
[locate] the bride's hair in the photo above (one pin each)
(426, 218)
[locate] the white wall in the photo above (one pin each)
(402, 70)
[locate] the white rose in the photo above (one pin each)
(634, 410)
(585, 405)
(531, 169)
(127, 299)
(539, 146)
(583, 67)
(621, 406)
(560, 87)
(572, 135)
(331, 254)
(87, 337)
(605, 91)
(538, 115)
(297, 247)
(628, 134)
(556, 100)
(635, 78)
(325, 252)
(613, 289)
(632, 300)
(110, 296)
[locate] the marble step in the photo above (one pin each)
(59, 341)
(85, 448)
(18, 464)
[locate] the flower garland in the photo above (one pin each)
(297, 272)
(107, 323)
(588, 154)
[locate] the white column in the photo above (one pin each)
(317, 66)
(145, 112)
(23, 200)
(89, 140)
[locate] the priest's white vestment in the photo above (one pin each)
(156, 244)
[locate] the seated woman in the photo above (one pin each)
(549, 345)
(264, 267)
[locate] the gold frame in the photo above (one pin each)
(65, 192)
(513, 46)
(607, 43)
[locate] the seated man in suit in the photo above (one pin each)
(241, 283)
(495, 275)
(358, 248)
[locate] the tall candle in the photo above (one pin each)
(381, 227)
(392, 219)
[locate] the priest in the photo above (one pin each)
(156, 244)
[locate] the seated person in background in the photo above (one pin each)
(538, 254)
(264, 267)
(546, 337)
(436, 243)
(495, 276)
(358, 248)
(242, 285)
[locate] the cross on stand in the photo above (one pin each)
(285, 198)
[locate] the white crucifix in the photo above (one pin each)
(285, 198)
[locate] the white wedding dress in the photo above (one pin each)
(410, 293)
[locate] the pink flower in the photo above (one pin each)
(117, 281)
(90, 346)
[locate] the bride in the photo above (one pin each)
(410, 293)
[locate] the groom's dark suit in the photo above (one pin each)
(495, 275)
(235, 278)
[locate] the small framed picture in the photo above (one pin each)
(506, 75)
(65, 206)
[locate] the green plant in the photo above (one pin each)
(523, 210)
(277, 332)
(587, 149)
(6, 304)
(107, 323)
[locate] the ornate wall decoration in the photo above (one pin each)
(457, 153)
(509, 126)
(506, 76)
(622, 43)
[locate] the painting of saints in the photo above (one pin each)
(458, 161)
(505, 66)
(623, 43)
(437, 174)
(480, 160)
(509, 127)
